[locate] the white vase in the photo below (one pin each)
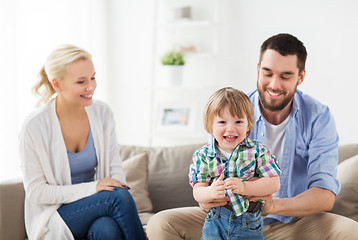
(173, 74)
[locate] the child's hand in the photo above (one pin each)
(235, 185)
(217, 189)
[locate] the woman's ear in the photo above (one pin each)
(55, 85)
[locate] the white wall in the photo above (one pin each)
(119, 34)
(131, 42)
(29, 30)
(327, 28)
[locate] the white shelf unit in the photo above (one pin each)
(200, 75)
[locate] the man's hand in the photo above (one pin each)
(207, 206)
(217, 189)
(217, 194)
(268, 206)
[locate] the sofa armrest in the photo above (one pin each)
(12, 197)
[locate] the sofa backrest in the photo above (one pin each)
(168, 168)
(346, 151)
(12, 197)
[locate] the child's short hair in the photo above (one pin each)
(238, 103)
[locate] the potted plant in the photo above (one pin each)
(173, 62)
(173, 58)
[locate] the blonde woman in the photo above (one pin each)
(74, 183)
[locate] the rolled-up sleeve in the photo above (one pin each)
(323, 153)
(199, 171)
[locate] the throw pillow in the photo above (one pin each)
(346, 201)
(136, 171)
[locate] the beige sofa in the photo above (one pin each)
(158, 178)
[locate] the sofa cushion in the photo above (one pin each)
(346, 151)
(168, 177)
(136, 171)
(346, 201)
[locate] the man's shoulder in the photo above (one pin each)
(308, 104)
(251, 94)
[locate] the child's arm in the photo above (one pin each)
(203, 193)
(261, 187)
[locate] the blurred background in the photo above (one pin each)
(220, 40)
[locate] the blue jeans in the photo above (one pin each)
(221, 223)
(104, 215)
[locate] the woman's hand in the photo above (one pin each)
(109, 184)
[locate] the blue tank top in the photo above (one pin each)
(83, 164)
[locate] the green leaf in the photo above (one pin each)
(173, 58)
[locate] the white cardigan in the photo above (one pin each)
(46, 170)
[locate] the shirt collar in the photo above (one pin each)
(257, 110)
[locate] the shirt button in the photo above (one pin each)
(262, 134)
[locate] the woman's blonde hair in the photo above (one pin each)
(55, 68)
(238, 103)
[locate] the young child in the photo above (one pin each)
(224, 167)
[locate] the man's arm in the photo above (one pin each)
(312, 201)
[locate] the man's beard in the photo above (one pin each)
(274, 107)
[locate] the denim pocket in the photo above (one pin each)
(255, 223)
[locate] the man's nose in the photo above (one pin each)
(275, 82)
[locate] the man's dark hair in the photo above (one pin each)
(286, 44)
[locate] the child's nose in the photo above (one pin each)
(229, 128)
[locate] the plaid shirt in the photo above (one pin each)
(249, 159)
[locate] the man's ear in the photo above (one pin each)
(301, 77)
(55, 85)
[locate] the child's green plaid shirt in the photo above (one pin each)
(249, 159)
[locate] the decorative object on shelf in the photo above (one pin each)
(177, 117)
(187, 49)
(180, 13)
(173, 63)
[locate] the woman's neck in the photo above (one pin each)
(64, 110)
